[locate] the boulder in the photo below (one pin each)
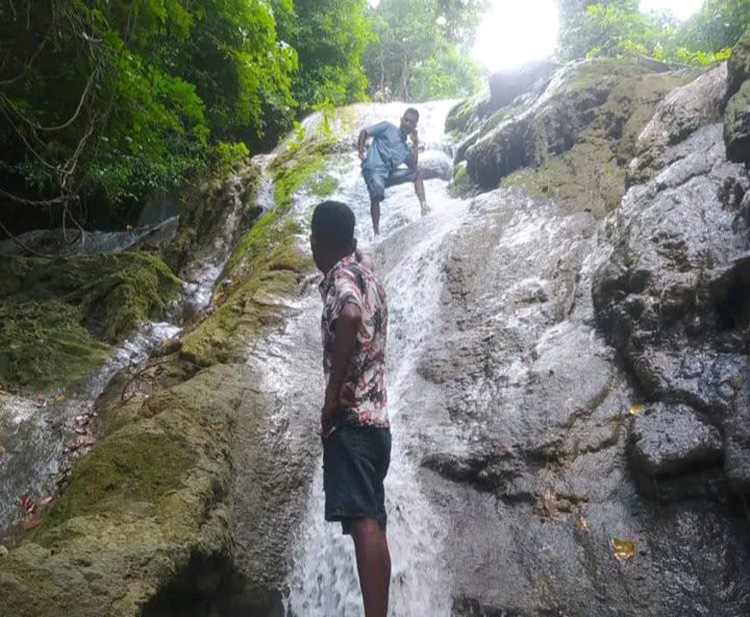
(682, 111)
(737, 125)
(672, 440)
(506, 85)
(739, 64)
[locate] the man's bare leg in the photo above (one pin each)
(375, 214)
(373, 565)
(419, 190)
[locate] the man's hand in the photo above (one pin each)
(415, 137)
(328, 416)
(361, 155)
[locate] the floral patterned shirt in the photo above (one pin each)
(363, 395)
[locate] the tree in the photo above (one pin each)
(329, 37)
(619, 28)
(718, 25)
(114, 98)
(413, 57)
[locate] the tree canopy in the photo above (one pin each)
(420, 49)
(105, 101)
(619, 27)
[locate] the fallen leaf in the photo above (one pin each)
(623, 549)
(636, 409)
(128, 228)
(3, 551)
(61, 398)
(31, 523)
(583, 524)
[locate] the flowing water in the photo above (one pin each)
(409, 259)
(41, 436)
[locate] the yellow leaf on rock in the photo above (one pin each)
(623, 549)
(636, 409)
(61, 398)
(583, 524)
(31, 523)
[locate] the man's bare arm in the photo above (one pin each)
(414, 149)
(344, 344)
(362, 143)
(365, 259)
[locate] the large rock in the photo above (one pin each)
(682, 111)
(146, 524)
(737, 125)
(673, 299)
(58, 316)
(673, 440)
(506, 85)
(739, 64)
(587, 119)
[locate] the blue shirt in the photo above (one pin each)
(389, 149)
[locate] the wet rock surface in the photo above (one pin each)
(597, 374)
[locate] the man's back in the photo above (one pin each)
(363, 395)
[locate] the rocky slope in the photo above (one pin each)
(599, 368)
(577, 419)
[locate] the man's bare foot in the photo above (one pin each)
(424, 208)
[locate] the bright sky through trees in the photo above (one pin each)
(515, 32)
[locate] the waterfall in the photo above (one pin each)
(323, 580)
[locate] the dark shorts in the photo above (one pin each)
(355, 462)
(377, 181)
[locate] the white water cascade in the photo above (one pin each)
(323, 581)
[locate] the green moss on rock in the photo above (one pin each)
(575, 148)
(737, 125)
(44, 344)
(148, 499)
(739, 64)
(205, 206)
(58, 314)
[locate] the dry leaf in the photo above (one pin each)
(31, 523)
(61, 398)
(623, 549)
(128, 228)
(636, 409)
(583, 524)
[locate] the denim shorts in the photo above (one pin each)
(355, 463)
(378, 181)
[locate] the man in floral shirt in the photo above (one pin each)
(354, 420)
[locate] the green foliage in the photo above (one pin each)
(415, 56)
(716, 27)
(330, 37)
(619, 28)
(114, 98)
(228, 155)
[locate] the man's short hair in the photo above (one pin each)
(412, 111)
(333, 225)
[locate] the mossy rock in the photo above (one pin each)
(43, 344)
(152, 498)
(575, 147)
(60, 315)
(205, 206)
(739, 64)
(146, 501)
(737, 126)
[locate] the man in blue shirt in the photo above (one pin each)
(381, 165)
